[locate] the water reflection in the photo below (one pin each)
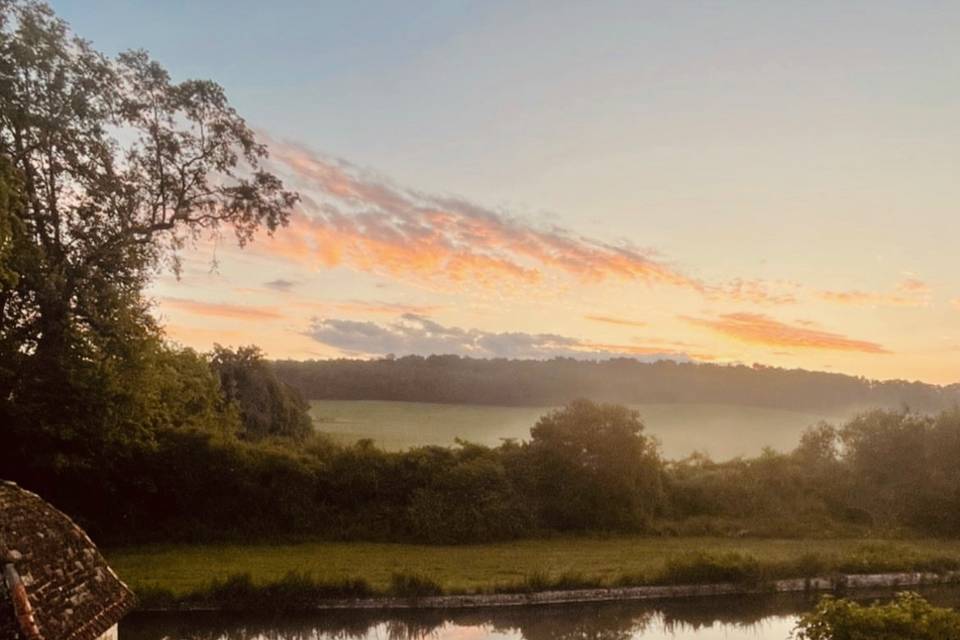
(730, 618)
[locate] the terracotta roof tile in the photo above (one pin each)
(74, 594)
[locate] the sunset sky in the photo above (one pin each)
(765, 182)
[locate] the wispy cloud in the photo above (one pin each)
(955, 303)
(369, 307)
(756, 291)
(909, 292)
(350, 217)
(413, 334)
(761, 329)
(222, 310)
(613, 320)
(203, 338)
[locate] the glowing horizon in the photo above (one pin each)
(737, 184)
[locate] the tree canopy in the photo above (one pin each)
(267, 406)
(109, 168)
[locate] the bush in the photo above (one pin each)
(706, 568)
(467, 501)
(413, 585)
(294, 592)
(907, 617)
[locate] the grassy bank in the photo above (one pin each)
(313, 570)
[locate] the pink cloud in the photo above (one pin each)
(755, 328)
(351, 218)
(909, 292)
(612, 320)
(223, 310)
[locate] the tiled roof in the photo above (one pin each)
(72, 592)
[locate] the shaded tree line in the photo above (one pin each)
(585, 468)
(456, 379)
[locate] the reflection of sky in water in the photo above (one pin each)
(644, 627)
(768, 617)
(654, 628)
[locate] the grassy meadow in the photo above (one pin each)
(182, 569)
(719, 430)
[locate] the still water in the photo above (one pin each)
(726, 618)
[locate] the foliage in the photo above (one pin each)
(11, 230)
(700, 567)
(907, 617)
(295, 591)
(267, 406)
(108, 168)
(413, 585)
(467, 499)
(593, 468)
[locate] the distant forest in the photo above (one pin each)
(455, 379)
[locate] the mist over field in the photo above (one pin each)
(720, 411)
(716, 430)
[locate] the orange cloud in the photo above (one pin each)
(755, 328)
(909, 292)
(348, 217)
(956, 303)
(202, 338)
(222, 310)
(351, 217)
(359, 306)
(612, 320)
(756, 292)
(367, 243)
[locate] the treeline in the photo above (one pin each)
(585, 468)
(455, 379)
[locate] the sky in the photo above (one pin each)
(730, 182)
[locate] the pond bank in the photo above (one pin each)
(363, 569)
(834, 583)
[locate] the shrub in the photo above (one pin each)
(294, 592)
(413, 585)
(907, 617)
(704, 568)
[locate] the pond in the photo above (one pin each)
(728, 618)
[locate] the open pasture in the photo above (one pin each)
(719, 430)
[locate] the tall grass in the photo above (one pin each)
(300, 591)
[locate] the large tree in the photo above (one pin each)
(593, 468)
(267, 406)
(109, 168)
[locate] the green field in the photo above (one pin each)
(186, 568)
(721, 431)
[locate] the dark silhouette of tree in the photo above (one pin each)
(116, 167)
(107, 168)
(267, 406)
